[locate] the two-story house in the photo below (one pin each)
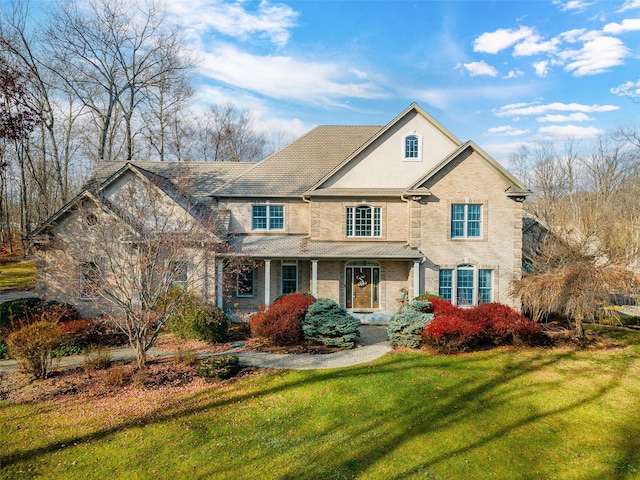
(366, 215)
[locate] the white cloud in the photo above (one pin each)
(627, 25)
(284, 77)
(444, 98)
(541, 68)
(541, 109)
(272, 21)
(533, 46)
(575, 5)
(557, 118)
(629, 5)
(559, 132)
(627, 89)
(514, 73)
(572, 36)
(506, 130)
(596, 56)
(494, 42)
(359, 73)
(477, 69)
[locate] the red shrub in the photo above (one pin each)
(445, 307)
(281, 322)
(75, 327)
(503, 322)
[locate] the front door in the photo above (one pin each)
(362, 288)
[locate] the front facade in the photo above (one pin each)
(370, 217)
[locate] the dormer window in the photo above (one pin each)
(412, 147)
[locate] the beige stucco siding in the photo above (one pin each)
(382, 164)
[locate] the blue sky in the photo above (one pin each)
(502, 73)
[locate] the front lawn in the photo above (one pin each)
(538, 413)
(17, 275)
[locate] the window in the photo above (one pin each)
(411, 145)
(363, 221)
(177, 272)
(244, 286)
(445, 284)
(466, 220)
(89, 279)
(461, 287)
(485, 284)
(289, 277)
(464, 285)
(267, 217)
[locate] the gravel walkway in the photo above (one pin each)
(371, 345)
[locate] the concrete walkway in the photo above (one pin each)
(371, 345)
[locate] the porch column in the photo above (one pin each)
(314, 278)
(416, 278)
(220, 283)
(267, 281)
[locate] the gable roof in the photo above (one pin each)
(414, 107)
(297, 167)
(195, 182)
(515, 189)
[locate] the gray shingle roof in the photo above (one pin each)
(300, 165)
(292, 246)
(197, 179)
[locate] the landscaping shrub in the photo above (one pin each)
(445, 307)
(19, 312)
(32, 345)
(96, 358)
(485, 324)
(4, 350)
(193, 319)
(281, 322)
(185, 357)
(219, 367)
(66, 351)
(326, 323)
(117, 377)
(428, 296)
(406, 327)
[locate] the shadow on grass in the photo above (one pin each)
(456, 402)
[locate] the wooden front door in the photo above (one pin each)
(362, 290)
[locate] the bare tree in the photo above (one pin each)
(111, 56)
(137, 242)
(228, 134)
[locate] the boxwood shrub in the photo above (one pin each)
(328, 324)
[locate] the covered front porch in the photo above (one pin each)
(372, 280)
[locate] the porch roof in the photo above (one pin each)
(298, 246)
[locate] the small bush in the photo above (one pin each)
(185, 357)
(219, 367)
(451, 332)
(193, 319)
(445, 307)
(32, 345)
(66, 351)
(406, 327)
(428, 296)
(326, 323)
(16, 311)
(96, 358)
(281, 322)
(4, 350)
(117, 377)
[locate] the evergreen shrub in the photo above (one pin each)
(406, 326)
(328, 324)
(219, 367)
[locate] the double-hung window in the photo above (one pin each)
(466, 220)
(177, 272)
(289, 277)
(463, 287)
(363, 221)
(267, 217)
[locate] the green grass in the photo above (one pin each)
(17, 275)
(497, 414)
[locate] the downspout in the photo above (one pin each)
(406, 199)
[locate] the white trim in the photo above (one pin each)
(404, 147)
